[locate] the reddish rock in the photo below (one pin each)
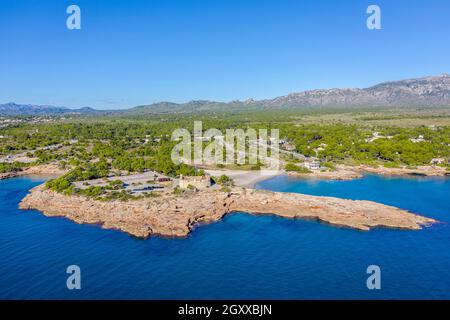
(175, 216)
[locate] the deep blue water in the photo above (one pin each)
(242, 256)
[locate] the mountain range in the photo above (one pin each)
(431, 91)
(14, 109)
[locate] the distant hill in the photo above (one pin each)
(420, 92)
(428, 91)
(14, 109)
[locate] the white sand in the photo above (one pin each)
(244, 178)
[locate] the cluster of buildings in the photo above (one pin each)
(148, 138)
(437, 161)
(377, 135)
(418, 139)
(7, 121)
(313, 165)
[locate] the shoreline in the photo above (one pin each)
(245, 178)
(344, 172)
(45, 170)
(176, 216)
(248, 179)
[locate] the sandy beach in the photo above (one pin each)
(245, 178)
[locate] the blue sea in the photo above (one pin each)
(240, 257)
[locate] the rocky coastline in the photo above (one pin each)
(45, 169)
(171, 215)
(345, 172)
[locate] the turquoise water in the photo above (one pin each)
(241, 257)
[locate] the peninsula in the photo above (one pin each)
(173, 215)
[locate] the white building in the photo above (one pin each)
(418, 139)
(437, 161)
(376, 136)
(313, 165)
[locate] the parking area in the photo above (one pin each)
(133, 184)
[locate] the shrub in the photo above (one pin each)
(290, 167)
(11, 167)
(329, 166)
(178, 191)
(224, 180)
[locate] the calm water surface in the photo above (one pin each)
(242, 256)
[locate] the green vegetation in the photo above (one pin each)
(178, 191)
(225, 183)
(119, 195)
(135, 145)
(99, 147)
(329, 165)
(11, 167)
(116, 185)
(351, 143)
(224, 180)
(290, 167)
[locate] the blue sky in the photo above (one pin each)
(139, 52)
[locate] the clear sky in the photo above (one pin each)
(132, 52)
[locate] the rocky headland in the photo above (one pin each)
(345, 172)
(173, 215)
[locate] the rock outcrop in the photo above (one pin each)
(175, 216)
(429, 171)
(344, 172)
